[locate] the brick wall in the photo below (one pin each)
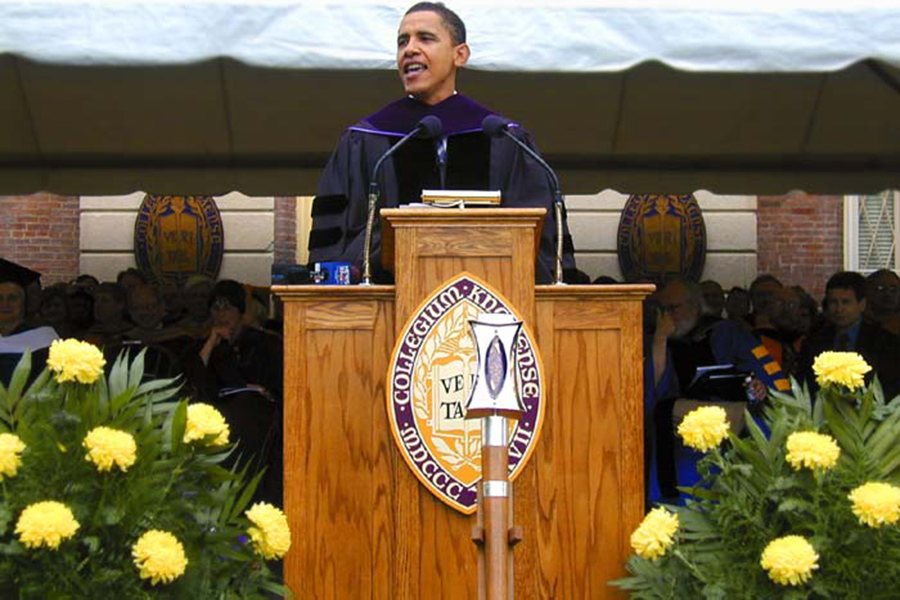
(285, 229)
(801, 239)
(41, 232)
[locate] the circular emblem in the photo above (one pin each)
(660, 236)
(178, 236)
(429, 378)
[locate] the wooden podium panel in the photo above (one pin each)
(338, 450)
(430, 245)
(363, 526)
(589, 474)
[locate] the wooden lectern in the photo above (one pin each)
(363, 527)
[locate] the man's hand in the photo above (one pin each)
(665, 326)
(218, 334)
(757, 389)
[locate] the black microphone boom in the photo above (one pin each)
(428, 127)
(494, 125)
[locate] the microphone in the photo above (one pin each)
(495, 125)
(428, 127)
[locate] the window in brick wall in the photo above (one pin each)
(871, 231)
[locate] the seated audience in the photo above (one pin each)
(678, 346)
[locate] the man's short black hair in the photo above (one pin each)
(451, 20)
(848, 280)
(882, 273)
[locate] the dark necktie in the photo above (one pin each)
(843, 342)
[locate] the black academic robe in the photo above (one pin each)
(879, 348)
(9, 362)
(472, 161)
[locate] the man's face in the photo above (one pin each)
(145, 308)
(765, 298)
(11, 304)
(427, 58)
(714, 297)
(196, 300)
(842, 308)
(674, 300)
(789, 318)
(883, 293)
(107, 309)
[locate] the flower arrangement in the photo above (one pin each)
(112, 487)
(810, 511)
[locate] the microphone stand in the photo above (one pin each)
(370, 223)
(557, 200)
(423, 127)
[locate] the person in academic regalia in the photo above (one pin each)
(14, 340)
(239, 370)
(431, 47)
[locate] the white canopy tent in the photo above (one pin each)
(209, 96)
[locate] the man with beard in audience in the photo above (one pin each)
(680, 345)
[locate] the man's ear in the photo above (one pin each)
(461, 55)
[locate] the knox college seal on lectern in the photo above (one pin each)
(430, 374)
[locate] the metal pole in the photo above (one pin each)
(495, 505)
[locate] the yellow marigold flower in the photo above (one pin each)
(204, 420)
(159, 556)
(812, 450)
(46, 524)
(74, 360)
(704, 428)
(790, 560)
(107, 447)
(841, 368)
(271, 536)
(876, 504)
(10, 449)
(655, 534)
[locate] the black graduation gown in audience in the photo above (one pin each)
(9, 361)
(255, 358)
(472, 161)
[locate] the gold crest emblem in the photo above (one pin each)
(431, 372)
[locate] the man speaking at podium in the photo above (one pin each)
(431, 47)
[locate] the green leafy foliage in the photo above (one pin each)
(750, 495)
(173, 486)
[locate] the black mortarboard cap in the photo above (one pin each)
(11, 272)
